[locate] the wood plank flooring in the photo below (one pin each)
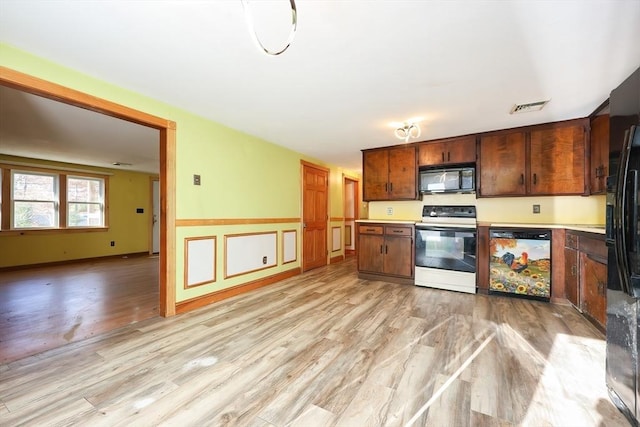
(326, 349)
(47, 307)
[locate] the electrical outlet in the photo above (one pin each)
(389, 211)
(113, 243)
(536, 209)
(264, 260)
(196, 179)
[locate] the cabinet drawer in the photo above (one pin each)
(398, 231)
(371, 229)
(594, 247)
(571, 241)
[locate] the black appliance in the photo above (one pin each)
(623, 241)
(451, 180)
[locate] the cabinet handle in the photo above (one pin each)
(521, 179)
(442, 156)
(386, 249)
(397, 231)
(391, 187)
(600, 171)
(448, 156)
(535, 178)
(386, 187)
(574, 270)
(381, 251)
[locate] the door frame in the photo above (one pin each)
(34, 85)
(356, 207)
(303, 164)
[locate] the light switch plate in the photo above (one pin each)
(389, 211)
(536, 209)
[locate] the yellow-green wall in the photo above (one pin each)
(242, 176)
(128, 229)
(555, 210)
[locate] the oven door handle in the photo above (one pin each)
(445, 228)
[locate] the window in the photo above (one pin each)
(85, 202)
(44, 199)
(35, 200)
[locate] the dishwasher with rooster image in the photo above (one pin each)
(520, 263)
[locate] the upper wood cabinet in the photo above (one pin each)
(446, 152)
(389, 174)
(502, 165)
(558, 160)
(539, 160)
(599, 145)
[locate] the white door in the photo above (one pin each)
(155, 232)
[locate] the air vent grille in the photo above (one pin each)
(526, 108)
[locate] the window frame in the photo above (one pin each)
(7, 213)
(100, 204)
(55, 200)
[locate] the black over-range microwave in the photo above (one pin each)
(452, 180)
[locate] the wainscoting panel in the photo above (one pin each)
(200, 260)
(336, 241)
(289, 246)
(245, 253)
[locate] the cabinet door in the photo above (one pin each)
(431, 153)
(462, 150)
(398, 259)
(375, 172)
(599, 146)
(571, 276)
(557, 160)
(502, 164)
(402, 173)
(453, 151)
(594, 287)
(371, 253)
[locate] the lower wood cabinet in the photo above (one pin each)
(585, 256)
(386, 251)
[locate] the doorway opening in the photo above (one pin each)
(165, 183)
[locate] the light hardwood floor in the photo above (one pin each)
(47, 307)
(322, 349)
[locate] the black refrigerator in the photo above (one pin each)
(623, 244)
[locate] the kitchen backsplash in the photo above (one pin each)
(553, 209)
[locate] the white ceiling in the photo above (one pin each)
(353, 67)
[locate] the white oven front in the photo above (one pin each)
(446, 257)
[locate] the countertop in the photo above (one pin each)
(589, 228)
(386, 221)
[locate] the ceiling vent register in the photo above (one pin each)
(527, 108)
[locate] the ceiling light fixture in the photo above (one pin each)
(294, 26)
(407, 130)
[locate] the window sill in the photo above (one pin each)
(40, 231)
